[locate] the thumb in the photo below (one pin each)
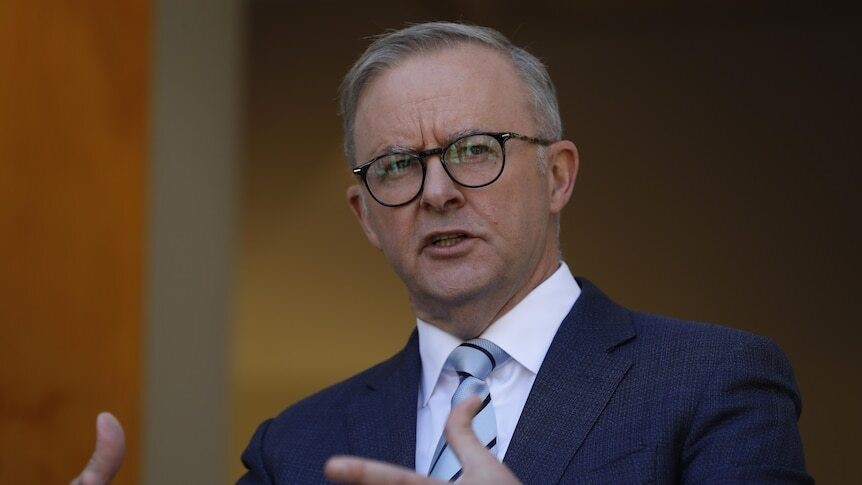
(108, 455)
(459, 433)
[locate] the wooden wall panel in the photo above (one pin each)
(73, 122)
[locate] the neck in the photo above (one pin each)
(469, 318)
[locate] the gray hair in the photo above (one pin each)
(393, 47)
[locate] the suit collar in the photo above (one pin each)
(382, 418)
(525, 332)
(585, 363)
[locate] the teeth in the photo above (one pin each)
(446, 241)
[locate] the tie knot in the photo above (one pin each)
(476, 357)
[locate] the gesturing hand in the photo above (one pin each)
(108, 455)
(480, 467)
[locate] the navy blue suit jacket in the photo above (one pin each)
(622, 397)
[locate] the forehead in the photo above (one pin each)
(427, 97)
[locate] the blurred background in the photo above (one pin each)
(174, 237)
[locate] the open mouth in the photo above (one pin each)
(447, 240)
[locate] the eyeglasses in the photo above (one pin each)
(473, 161)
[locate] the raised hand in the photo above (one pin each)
(108, 455)
(480, 466)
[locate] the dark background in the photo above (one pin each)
(720, 162)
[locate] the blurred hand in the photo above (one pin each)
(108, 456)
(479, 465)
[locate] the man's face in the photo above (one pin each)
(457, 248)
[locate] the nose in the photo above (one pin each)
(440, 193)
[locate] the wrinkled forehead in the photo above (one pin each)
(425, 98)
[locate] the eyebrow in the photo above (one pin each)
(462, 133)
(392, 149)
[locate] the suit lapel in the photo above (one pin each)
(382, 420)
(583, 366)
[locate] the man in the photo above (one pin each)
(455, 139)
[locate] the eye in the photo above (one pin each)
(391, 166)
(474, 149)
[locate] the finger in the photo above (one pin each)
(360, 471)
(108, 455)
(471, 452)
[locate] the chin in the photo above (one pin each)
(456, 290)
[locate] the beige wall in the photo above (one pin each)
(718, 183)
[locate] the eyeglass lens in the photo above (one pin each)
(472, 161)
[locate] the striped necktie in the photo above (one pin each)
(473, 360)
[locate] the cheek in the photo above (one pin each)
(394, 232)
(518, 224)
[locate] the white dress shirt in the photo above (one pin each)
(525, 333)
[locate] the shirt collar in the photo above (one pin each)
(525, 332)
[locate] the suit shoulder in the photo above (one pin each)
(731, 396)
(325, 403)
(293, 446)
(696, 352)
(656, 333)
(676, 334)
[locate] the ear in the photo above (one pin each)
(354, 200)
(562, 170)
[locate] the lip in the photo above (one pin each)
(456, 249)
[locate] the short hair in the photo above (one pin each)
(391, 48)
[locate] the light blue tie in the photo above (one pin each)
(473, 360)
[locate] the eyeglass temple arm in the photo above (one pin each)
(531, 139)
